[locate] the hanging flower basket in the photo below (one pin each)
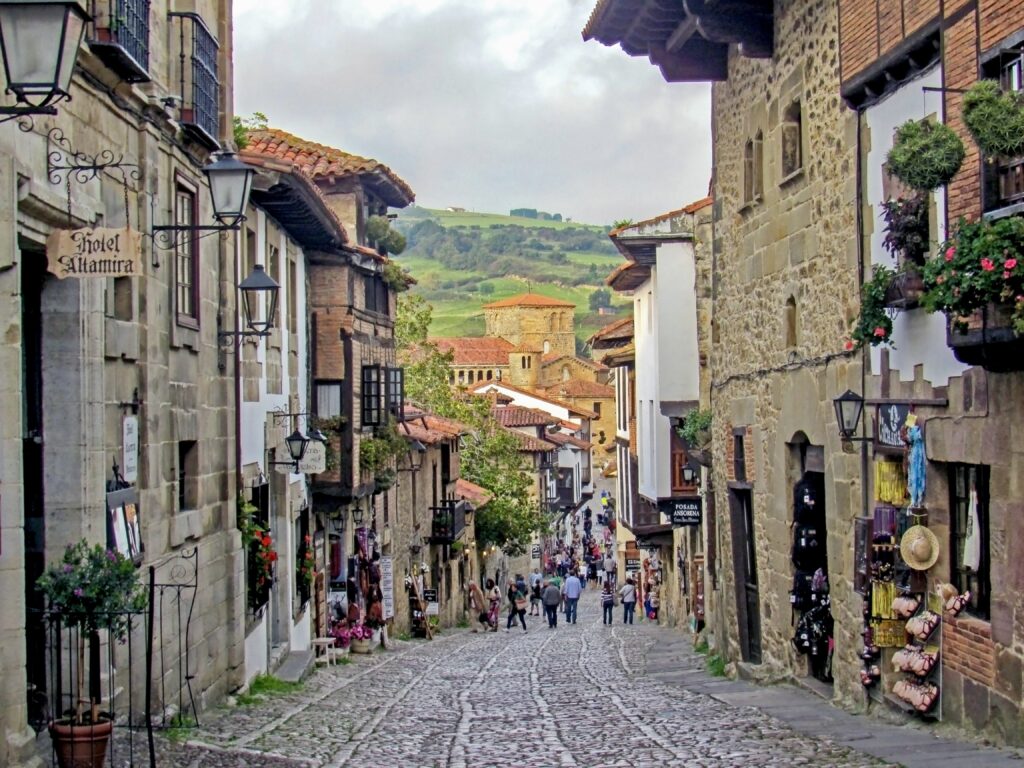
(995, 118)
(925, 155)
(874, 326)
(978, 282)
(906, 228)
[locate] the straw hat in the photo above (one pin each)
(919, 548)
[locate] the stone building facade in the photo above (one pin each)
(784, 219)
(968, 398)
(534, 322)
(81, 355)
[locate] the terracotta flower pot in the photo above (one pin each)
(80, 746)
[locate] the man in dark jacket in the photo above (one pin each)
(551, 596)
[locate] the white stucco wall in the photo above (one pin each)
(919, 337)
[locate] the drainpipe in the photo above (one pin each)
(865, 349)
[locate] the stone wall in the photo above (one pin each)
(101, 341)
(531, 327)
(785, 288)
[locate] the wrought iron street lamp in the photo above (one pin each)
(230, 183)
(39, 42)
(357, 513)
(253, 289)
(296, 444)
(849, 407)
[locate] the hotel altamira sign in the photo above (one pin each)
(94, 252)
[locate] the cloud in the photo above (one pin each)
(485, 104)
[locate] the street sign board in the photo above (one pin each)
(130, 448)
(632, 564)
(683, 511)
(387, 586)
(535, 552)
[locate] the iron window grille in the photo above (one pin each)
(120, 37)
(198, 52)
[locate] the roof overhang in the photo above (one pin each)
(294, 203)
(688, 40)
(628, 277)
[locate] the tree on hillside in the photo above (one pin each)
(490, 456)
(600, 299)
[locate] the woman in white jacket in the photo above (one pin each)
(627, 593)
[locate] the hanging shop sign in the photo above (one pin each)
(889, 420)
(314, 460)
(682, 512)
(535, 552)
(94, 252)
(130, 448)
(632, 564)
(387, 586)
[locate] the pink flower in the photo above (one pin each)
(1010, 263)
(880, 332)
(1006, 275)
(950, 253)
(848, 345)
(988, 265)
(940, 279)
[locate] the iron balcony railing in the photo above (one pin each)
(120, 36)
(198, 51)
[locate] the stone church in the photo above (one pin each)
(530, 342)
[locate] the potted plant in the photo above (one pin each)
(995, 118)
(91, 589)
(873, 326)
(978, 282)
(307, 566)
(359, 638)
(925, 155)
(262, 557)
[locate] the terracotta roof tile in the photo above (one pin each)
(321, 162)
(620, 329)
(529, 300)
(691, 208)
(481, 389)
(561, 438)
(529, 444)
(482, 350)
(473, 493)
(554, 357)
(518, 416)
(579, 388)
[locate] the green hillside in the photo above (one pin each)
(463, 260)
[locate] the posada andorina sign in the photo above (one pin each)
(94, 252)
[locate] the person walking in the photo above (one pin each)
(607, 602)
(572, 591)
(628, 596)
(516, 605)
(609, 568)
(535, 598)
(478, 605)
(494, 602)
(551, 596)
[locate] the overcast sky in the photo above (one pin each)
(484, 104)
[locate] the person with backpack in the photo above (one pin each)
(607, 602)
(551, 597)
(628, 596)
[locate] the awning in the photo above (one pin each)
(653, 536)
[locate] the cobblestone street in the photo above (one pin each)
(574, 696)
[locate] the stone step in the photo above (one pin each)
(295, 667)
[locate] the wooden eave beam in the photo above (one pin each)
(681, 34)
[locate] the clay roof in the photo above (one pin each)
(428, 428)
(619, 331)
(554, 357)
(473, 493)
(628, 276)
(561, 438)
(529, 444)
(288, 215)
(529, 300)
(518, 416)
(323, 163)
(620, 355)
(481, 387)
(481, 350)
(580, 388)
